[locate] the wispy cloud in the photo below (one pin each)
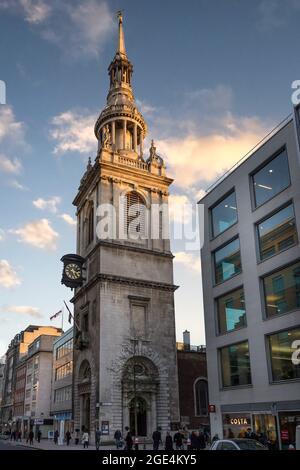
(72, 131)
(39, 234)
(10, 165)
(33, 312)
(17, 185)
(2, 235)
(8, 275)
(68, 219)
(35, 11)
(47, 204)
(275, 14)
(190, 261)
(12, 132)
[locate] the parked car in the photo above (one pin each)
(237, 444)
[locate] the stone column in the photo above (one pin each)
(135, 137)
(113, 132)
(124, 133)
(141, 143)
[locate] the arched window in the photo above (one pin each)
(90, 225)
(135, 215)
(201, 397)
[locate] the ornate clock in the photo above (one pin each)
(72, 275)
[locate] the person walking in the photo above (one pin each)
(98, 438)
(168, 442)
(156, 436)
(128, 439)
(118, 438)
(31, 436)
(39, 435)
(68, 437)
(77, 436)
(178, 439)
(19, 436)
(85, 440)
(56, 436)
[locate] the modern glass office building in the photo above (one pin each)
(251, 285)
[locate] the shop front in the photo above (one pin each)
(236, 424)
(63, 423)
(288, 420)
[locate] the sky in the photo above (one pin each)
(211, 77)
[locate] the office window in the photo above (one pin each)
(231, 311)
(278, 232)
(235, 365)
(63, 394)
(64, 349)
(270, 180)
(224, 214)
(282, 290)
(282, 346)
(227, 261)
(64, 371)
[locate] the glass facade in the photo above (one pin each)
(64, 349)
(282, 290)
(278, 232)
(63, 394)
(283, 354)
(231, 311)
(64, 370)
(235, 365)
(224, 214)
(270, 180)
(227, 261)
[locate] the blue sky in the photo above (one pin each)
(211, 78)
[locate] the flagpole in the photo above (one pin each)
(62, 318)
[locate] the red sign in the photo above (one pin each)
(284, 435)
(211, 408)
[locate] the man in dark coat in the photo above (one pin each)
(156, 436)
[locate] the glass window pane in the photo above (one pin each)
(281, 351)
(282, 290)
(224, 214)
(231, 311)
(235, 363)
(278, 232)
(227, 261)
(271, 179)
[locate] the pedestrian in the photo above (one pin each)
(19, 436)
(128, 439)
(56, 436)
(77, 436)
(68, 437)
(195, 445)
(39, 435)
(85, 440)
(156, 436)
(168, 442)
(201, 440)
(178, 439)
(31, 436)
(118, 438)
(97, 438)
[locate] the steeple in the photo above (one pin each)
(121, 44)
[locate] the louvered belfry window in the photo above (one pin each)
(135, 215)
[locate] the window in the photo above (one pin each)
(64, 349)
(201, 397)
(90, 225)
(224, 214)
(235, 365)
(231, 311)
(278, 232)
(63, 394)
(135, 216)
(282, 290)
(227, 261)
(64, 371)
(282, 347)
(270, 180)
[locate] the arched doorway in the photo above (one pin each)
(84, 389)
(138, 416)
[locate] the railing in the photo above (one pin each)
(250, 152)
(133, 163)
(190, 347)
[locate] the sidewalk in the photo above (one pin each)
(46, 444)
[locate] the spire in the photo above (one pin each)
(121, 44)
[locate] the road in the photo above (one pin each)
(5, 445)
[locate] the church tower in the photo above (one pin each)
(125, 369)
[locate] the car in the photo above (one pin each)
(237, 444)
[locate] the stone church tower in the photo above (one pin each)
(125, 370)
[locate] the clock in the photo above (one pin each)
(72, 275)
(73, 271)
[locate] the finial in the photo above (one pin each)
(89, 163)
(152, 149)
(121, 44)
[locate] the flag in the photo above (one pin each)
(70, 314)
(56, 315)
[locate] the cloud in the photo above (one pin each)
(15, 184)
(11, 131)
(8, 275)
(22, 310)
(275, 14)
(10, 165)
(78, 28)
(68, 219)
(2, 235)
(188, 260)
(73, 132)
(50, 204)
(180, 208)
(39, 234)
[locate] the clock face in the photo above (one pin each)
(73, 271)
